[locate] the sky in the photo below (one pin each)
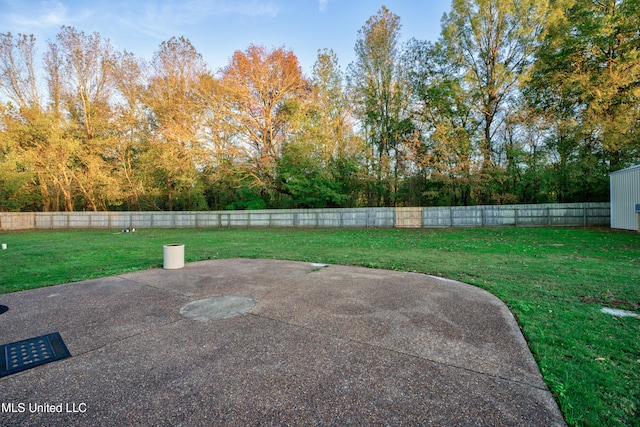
(217, 28)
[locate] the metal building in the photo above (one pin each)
(625, 198)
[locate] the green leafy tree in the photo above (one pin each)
(443, 110)
(306, 179)
(325, 143)
(380, 100)
(586, 85)
(490, 45)
(330, 113)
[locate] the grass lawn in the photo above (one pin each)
(554, 280)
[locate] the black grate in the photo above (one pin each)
(22, 355)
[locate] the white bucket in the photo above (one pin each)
(173, 256)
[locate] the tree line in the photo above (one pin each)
(518, 101)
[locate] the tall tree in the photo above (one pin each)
(379, 91)
(491, 43)
(443, 110)
(18, 84)
(177, 115)
(36, 154)
(130, 128)
(331, 112)
(330, 130)
(81, 75)
(588, 74)
(17, 70)
(264, 91)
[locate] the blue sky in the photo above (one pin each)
(217, 28)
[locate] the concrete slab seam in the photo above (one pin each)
(283, 283)
(128, 337)
(402, 353)
(166, 291)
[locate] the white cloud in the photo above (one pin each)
(322, 5)
(47, 14)
(197, 10)
(167, 17)
(267, 9)
(40, 16)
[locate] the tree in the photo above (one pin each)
(263, 93)
(81, 84)
(330, 111)
(306, 179)
(587, 75)
(17, 70)
(491, 45)
(177, 112)
(379, 93)
(18, 84)
(37, 157)
(326, 140)
(129, 127)
(443, 110)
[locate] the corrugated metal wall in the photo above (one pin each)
(625, 194)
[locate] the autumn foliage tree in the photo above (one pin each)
(87, 89)
(264, 92)
(177, 114)
(18, 177)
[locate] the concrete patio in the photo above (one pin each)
(319, 345)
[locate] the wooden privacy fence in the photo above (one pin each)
(554, 215)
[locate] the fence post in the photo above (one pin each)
(584, 216)
(549, 217)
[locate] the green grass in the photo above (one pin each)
(555, 281)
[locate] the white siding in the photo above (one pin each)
(625, 194)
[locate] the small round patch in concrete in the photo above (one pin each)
(222, 307)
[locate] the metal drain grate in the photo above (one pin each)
(22, 355)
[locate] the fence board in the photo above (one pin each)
(558, 214)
